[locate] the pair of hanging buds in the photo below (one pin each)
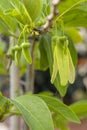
(23, 48)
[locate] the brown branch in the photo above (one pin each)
(49, 23)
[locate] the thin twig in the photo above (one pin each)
(50, 18)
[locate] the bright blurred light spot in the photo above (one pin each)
(3, 127)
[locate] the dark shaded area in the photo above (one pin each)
(42, 82)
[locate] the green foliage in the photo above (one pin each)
(18, 11)
(35, 112)
(5, 107)
(74, 13)
(60, 109)
(48, 48)
(54, 50)
(43, 58)
(80, 108)
(34, 8)
(74, 34)
(2, 57)
(65, 6)
(73, 51)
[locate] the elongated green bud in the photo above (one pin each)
(71, 69)
(17, 56)
(27, 55)
(14, 49)
(55, 65)
(25, 45)
(26, 52)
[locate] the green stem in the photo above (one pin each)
(14, 112)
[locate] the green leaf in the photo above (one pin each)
(80, 108)
(57, 106)
(34, 8)
(73, 51)
(2, 68)
(65, 6)
(3, 27)
(4, 107)
(2, 58)
(15, 9)
(4, 4)
(2, 47)
(74, 34)
(60, 122)
(43, 55)
(76, 14)
(8, 22)
(37, 56)
(35, 112)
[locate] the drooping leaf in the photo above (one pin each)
(43, 55)
(37, 56)
(80, 108)
(60, 122)
(73, 51)
(35, 112)
(57, 106)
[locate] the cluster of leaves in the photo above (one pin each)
(54, 50)
(42, 111)
(19, 21)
